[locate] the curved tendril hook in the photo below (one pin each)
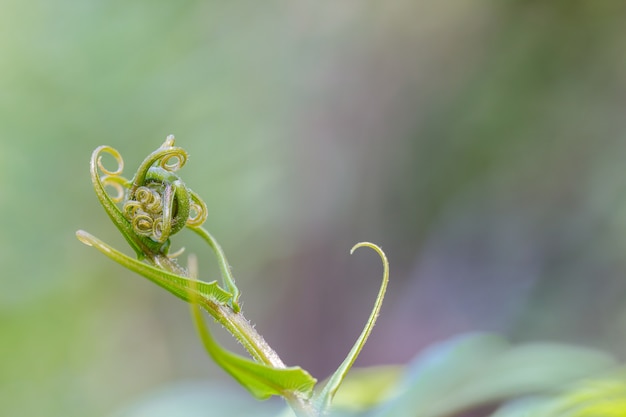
(324, 397)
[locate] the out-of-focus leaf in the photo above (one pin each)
(598, 398)
(198, 399)
(527, 407)
(365, 387)
(288, 412)
(478, 369)
(433, 374)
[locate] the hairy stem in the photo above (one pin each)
(242, 330)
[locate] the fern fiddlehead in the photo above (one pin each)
(155, 205)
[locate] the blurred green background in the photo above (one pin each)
(480, 143)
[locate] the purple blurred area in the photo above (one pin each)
(481, 144)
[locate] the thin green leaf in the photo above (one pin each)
(261, 380)
(177, 285)
(324, 397)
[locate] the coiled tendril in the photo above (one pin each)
(156, 203)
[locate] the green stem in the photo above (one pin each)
(245, 333)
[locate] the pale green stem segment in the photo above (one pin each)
(227, 275)
(324, 397)
(262, 380)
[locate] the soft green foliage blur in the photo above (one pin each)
(481, 143)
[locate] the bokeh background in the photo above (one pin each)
(480, 143)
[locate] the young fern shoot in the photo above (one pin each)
(153, 206)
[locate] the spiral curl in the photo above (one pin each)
(159, 198)
(197, 211)
(115, 154)
(110, 178)
(156, 203)
(117, 183)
